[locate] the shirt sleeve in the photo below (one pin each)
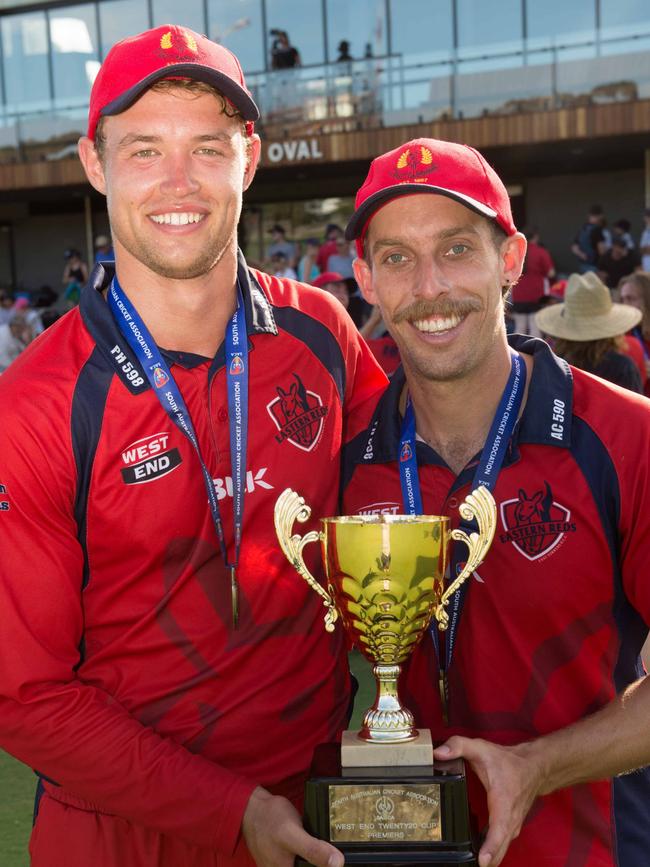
(70, 731)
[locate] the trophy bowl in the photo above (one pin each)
(386, 582)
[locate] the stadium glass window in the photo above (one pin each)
(421, 31)
(490, 35)
(189, 13)
(625, 16)
(25, 58)
(238, 26)
(625, 28)
(119, 19)
(303, 22)
(361, 24)
(75, 55)
(558, 24)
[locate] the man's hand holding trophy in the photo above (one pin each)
(379, 797)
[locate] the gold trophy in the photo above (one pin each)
(379, 797)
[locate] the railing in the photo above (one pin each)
(393, 90)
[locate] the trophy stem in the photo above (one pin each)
(388, 721)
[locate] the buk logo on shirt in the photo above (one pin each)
(298, 415)
(534, 522)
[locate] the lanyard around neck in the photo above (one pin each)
(169, 395)
(486, 473)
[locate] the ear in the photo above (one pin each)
(92, 164)
(254, 151)
(513, 253)
(363, 276)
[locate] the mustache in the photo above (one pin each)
(444, 307)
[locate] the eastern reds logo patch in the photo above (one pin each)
(534, 523)
(298, 415)
(148, 459)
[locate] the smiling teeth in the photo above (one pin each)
(176, 218)
(436, 326)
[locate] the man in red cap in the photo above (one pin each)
(162, 667)
(536, 681)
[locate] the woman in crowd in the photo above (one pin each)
(588, 330)
(634, 290)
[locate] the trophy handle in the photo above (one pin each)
(290, 507)
(481, 506)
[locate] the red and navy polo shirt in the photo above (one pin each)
(122, 678)
(555, 617)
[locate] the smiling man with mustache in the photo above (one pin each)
(536, 682)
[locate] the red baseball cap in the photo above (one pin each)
(169, 51)
(427, 165)
(327, 277)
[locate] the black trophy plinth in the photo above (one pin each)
(390, 815)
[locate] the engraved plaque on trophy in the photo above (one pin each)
(378, 796)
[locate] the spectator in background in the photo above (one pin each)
(279, 244)
(103, 249)
(634, 291)
(334, 283)
(621, 229)
(345, 291)
(532, 286)
(344, 51)
(328, 248)
(644, 243)
(280, 267)
(16, 334)
(75, 275)
(45, 297)
(617, 263)
(6, 303)
(588, 329)
(283, 54)
(590, 243)
(307, 269)
(342, 259)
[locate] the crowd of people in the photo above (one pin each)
(162, 667)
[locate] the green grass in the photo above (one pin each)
(17, 786)
(18, 783)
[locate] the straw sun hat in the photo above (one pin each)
(587, 313)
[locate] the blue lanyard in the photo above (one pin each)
(486, 473)
(168, 393)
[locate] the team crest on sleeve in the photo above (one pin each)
(535, 523)
(298, 415)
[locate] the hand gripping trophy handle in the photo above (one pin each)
(289, 508)
(478, 505)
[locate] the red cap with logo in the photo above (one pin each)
(427, 165)
(169, 51)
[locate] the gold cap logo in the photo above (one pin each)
(414, 165)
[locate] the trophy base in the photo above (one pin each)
(358, 753)
(390, 815)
